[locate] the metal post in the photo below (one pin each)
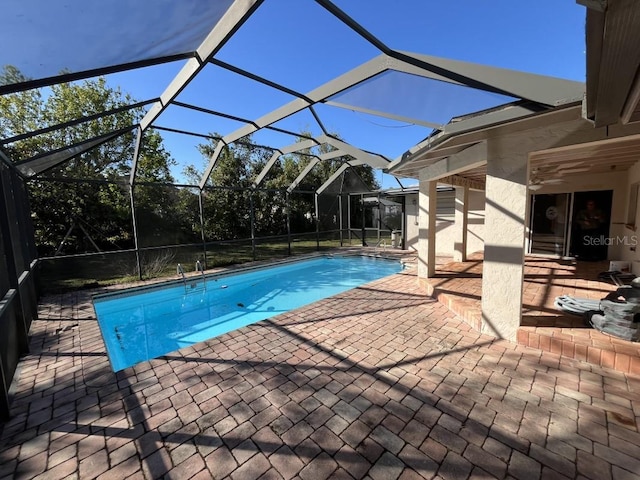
(5, 402)
(569, 223)
(10, 230)
(27, 222)
(202, 234)
(253, 226)
(379, 218)
(12, 297)
(136, 156)
(132, 182)
(364, 230)
(349, 216)
(135, 231)
(288, 209)
(341, 223)
(403, 223)
(317, 215)
(30, 252)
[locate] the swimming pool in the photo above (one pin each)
(144, 323)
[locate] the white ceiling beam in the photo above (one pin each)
(460, 181)
(337, 85)
(472, 157)
(296, 147)
(213, 159)
(337, 173)
(541, 89)
(260, 178)
(375, 161)
(302, 174)
(311, 165)
(391, 116)
(353, 77)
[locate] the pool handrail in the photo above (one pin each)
(180, 271)
(200, 268)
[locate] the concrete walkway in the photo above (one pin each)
(379, 382)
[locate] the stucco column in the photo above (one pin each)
(461, 224)
(504, 233)
(427, 204)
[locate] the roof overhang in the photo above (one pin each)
(613, 61)
(459, 135)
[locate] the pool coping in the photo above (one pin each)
(237, 269)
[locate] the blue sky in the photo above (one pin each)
(300, 45)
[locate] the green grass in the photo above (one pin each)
(67, 274)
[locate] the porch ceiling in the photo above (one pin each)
(606, 156)
(477, 174)
(554, 165)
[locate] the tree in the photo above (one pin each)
(100, 209)
(301, 205)
(230, 199)
(227, 196)
(287, 170)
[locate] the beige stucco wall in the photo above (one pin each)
(445, 236)
(629, 252)
(505, 213)
(411, 221)
(618, 182)
(507, 203)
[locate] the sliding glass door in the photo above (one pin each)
(548, 227)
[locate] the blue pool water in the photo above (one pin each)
(142, 324)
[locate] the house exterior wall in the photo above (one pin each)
(445, 234)
(411, 221)
(628, 250)
(509, 148)
(621, 236)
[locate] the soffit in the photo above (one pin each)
(606, 156)
(613, 58)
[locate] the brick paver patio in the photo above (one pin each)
(458, 285)
(379, 382)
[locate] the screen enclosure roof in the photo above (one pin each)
(369, 88)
